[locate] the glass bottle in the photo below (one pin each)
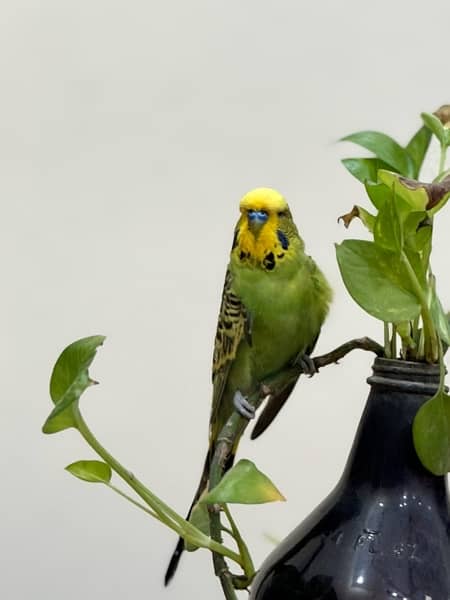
(383, 532)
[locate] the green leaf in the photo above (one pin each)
(94, 471)
(441, 201)
(434, 124)
(416, 198)
(385, 148)
(440, 318)
(417, 148)
(378, 193)
(199, 518)
(365, 169)
(416, 194)
(431, 434)
(376, 280)
(69, 379)
(416, 261)
(438, 193)
(243, 484)
(387, 227)
(423, 239)
(414, 224)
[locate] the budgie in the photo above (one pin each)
(274, 302)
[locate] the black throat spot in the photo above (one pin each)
(269, 261)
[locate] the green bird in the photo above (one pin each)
(274, 302)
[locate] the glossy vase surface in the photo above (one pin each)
(384, 531)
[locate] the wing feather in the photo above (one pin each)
(275, 403)
(233, 325)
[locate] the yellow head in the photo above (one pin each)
(265, 228)
(263, 199)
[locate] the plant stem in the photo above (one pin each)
(226, 579)
(431, 341)
(387, 345)
(394, 341)
(216, 471)
(249, 568)
(421, 344)
(132, 500)
(442, 159)
(164, 513)
(415, 334)
(441, 367)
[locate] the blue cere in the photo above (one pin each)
(258, 215)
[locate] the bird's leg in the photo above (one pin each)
(306, 363)
(243, 406)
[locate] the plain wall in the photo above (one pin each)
(129, 132)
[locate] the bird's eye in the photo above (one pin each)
(281, 213)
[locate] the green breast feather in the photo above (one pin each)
(280, 314)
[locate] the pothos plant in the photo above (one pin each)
(244, 483)
(390, 277)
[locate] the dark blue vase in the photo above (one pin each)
(384, 531)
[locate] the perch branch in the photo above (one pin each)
(233, 430)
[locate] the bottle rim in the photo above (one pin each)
(404, 375)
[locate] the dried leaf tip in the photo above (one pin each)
(443, 114)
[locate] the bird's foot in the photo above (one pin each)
(265, 390)
(306, 363)
(243, 406)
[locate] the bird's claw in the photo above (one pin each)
(265, 390)
(243, 406)
(306, 363)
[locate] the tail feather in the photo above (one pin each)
(174, 560)
(270, 411)
(179, 548)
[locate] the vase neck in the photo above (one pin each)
(383, 453)
(405, 376)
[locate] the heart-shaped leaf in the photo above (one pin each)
(69, 379)
(376, 280)
(243, 484)
(431, 434)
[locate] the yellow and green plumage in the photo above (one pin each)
(274, 302)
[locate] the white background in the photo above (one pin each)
(129, 132)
